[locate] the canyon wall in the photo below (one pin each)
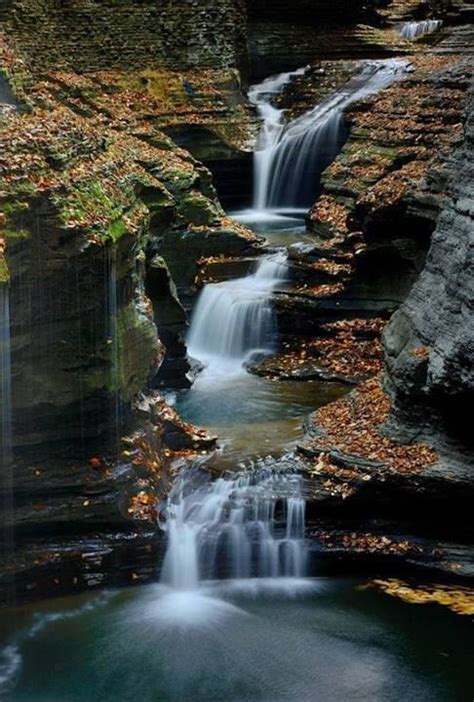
(430, 341)
(86, 35)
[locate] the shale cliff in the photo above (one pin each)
(429, 343)
(91, 35)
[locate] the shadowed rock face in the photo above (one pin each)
(429, 343)
(83, 341)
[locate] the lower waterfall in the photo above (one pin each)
(247, 525)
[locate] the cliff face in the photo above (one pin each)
(87, 197)
(429, 343)
(97, 35)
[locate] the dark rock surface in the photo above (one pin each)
(171, 321)
(430, 341)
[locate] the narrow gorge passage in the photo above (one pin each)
(206, 511)
(234, 322)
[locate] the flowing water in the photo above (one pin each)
(6, 467)
(245, 525)
(290, 156)
(235, 616)
(414, 30)
(319, 641)
(233, 323)
(235, 319)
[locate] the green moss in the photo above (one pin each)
(89, 205)
(14, 234)
(195, 208)
(14, 207)
(117, 229)
(4, 272)
(179, 180)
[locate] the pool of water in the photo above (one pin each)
(279, 227)
(303, 640)
(252, 416)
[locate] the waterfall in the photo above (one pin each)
(290, 158)
(246, 525)
(273, 124)
(235, 318)
(111, 312)
(414, 30)
(5, 378)
(6, 467)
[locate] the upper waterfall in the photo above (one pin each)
(290, 157)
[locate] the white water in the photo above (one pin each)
(273, 124)
(5, 379)
(6, 457)
(234, 319)
(233, 527)
(290, 157)
(414, 30)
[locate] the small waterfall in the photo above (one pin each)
(247, 525)
(111, 311)
(414, 30)
(6, 467)
(290, 157)
(235, 318)
(5, 378)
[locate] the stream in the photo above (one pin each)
(239, 612)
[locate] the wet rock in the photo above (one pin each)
(176, 434)
(171, 321)
(429, 343)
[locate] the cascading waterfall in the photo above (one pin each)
(5, 378)
(273, 124)
(290, 158)
(235, 318)
(414, 30)
(6, 467)
(248, 525)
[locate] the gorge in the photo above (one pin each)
(236, 350)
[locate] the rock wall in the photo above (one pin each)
(83, 340)
(311, 11)
(85, 205)
(100, 34)
(429, 343)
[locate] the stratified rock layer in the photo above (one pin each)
(430, 341)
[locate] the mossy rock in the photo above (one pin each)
(4, 272)
(197, 209)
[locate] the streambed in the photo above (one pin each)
(281, 636)
(253, 417)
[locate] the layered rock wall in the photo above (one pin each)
(430, 341)
(100, 34)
